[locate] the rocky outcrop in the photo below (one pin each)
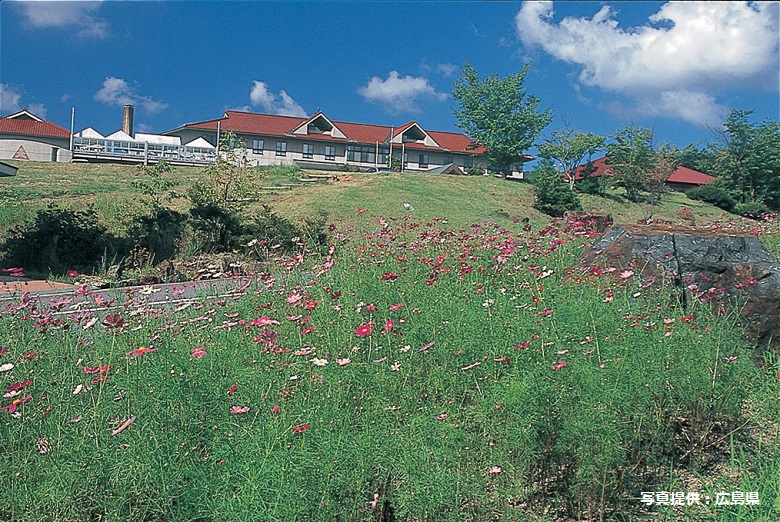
(706, 265)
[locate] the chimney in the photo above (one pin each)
(127, 120)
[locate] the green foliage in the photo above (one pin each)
(631, 160)
(160, 232)
(590, 184)
(475, 170)
(569, 149)
(153, 184)
(58, 240)
(271, 230)
(498, 114)
(752, 209)
(748, 156)
(553, 195)
(714, 193)
(228, 180)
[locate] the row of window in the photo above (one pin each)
(361, 153)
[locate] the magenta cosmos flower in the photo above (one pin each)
(364, 329)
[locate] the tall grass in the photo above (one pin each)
(428, 373)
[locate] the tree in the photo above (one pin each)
(569, 149)
(631, 160)
(498, 115)
(553, 196)
(747, 156)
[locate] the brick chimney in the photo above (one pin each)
(127, 120)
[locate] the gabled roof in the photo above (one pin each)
(25, 123)
(682, 175)
(89, 132)
(281, 126)
(120, 135)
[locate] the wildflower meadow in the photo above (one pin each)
(414, 371)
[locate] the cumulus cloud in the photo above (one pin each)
(399, 94)
(11, 102)
(10, 99)
(65, 13)
(672, 65)
(282, 104)
(116, 91)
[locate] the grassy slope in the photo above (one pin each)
(461, 200)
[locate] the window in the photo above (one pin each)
(423, 161)
(308, 150)
(406, 159)
(361, 153)
(281, 148)
(447, 160)
(257, 146)
(330, 152)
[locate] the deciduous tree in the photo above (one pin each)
(499, 115)
(569, 149)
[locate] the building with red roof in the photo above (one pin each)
(25, 136)
(682, 178)
(322, 143)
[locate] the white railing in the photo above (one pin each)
(142, 151)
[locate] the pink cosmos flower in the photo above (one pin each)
(441, 417)
(232, 389)
(276, 409)
(364, 329)
(626, 274)
(389, 324)
(198, 352)
(559, 365)
(300, 429)
(238, 410)
(395, 307)
(545, 313)
(72, 273)
(141, 350)
(11, 408)
(343, 362)
(262, 321)
(124, 425)
(114, 321)
(495, 470)
(389, 276)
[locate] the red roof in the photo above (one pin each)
(272, 125)
(682, 175)
(28, 127)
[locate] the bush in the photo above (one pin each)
(475, 170)
(270, 229)
(58, 240)
(751, 209)
(589, 184)
(714, 194)
(553, 195)
(159, 233)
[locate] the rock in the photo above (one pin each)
(706, 265)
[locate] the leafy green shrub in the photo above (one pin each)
(160, 232)
(553, 196)
(590, 184)
(57, 240)
(270, 229)
(475, 170)
(216, 229)
(751, 209)
(715, 194)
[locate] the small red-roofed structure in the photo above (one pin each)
(681, 179)
(25, 136)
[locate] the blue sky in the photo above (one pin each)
(674, 67)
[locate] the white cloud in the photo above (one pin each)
(685, 54)
(11, 102)
(399, 94)
(65, 13)
(283, 104)
(447, 69)
(116, 91)
(10, 99)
